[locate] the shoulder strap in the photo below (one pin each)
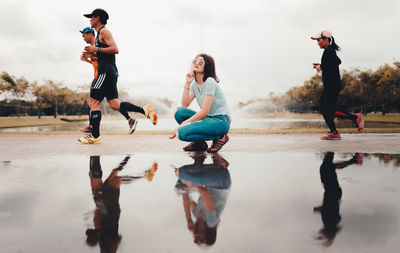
(98, 34)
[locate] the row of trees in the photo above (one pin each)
(53, 98)
(367, 91)
(364, 90)
(49, 98)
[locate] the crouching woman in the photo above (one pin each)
(213, 120)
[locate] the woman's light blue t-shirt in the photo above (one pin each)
(219, 198)
(211, 87)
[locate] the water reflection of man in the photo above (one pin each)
(106, 198)
(212, 182)
(333, 193)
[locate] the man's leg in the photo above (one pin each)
(95, 116)
(123, 108)
(126, 107)
(115, 104)
(112, 99)
(94, 101)
(90, 120)
(88, 128)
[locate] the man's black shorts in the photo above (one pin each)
(104, 86)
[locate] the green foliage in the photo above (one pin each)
(367, 91)
(52, 98)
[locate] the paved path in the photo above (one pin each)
(20, 146)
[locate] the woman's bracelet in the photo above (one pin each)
(186, 87)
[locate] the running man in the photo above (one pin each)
(105, 85)
(332, 86)
(89, 37)
(105, 228)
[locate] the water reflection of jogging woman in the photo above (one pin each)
(332, 86)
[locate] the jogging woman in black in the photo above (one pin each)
(332, 86)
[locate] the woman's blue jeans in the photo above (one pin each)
(209, 128)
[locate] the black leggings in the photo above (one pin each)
(329, 112)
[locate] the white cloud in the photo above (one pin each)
(259, 46)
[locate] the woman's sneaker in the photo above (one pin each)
(132, 125)
(89, 139)
(150, 114)
(359, 158)
(331, 136)
(360, 122)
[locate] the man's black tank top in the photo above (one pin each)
(106, 61)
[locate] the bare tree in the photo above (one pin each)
(40, 92)
(16, 86)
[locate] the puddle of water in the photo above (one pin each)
(170, 124)
(241, 202)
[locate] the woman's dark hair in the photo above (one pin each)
(334, 45)
(209, 67)
(210, 233)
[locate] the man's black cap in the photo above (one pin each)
(98, 13)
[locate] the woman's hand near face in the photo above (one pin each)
(189, 78)
(187, 95)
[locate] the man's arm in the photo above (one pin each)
(85, 59)
(88, 57)
(106, 38)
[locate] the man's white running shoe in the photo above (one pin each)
(89, 139)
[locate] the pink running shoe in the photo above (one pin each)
(360, 122)
(359, 158)
(331, 136)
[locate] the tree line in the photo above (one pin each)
(21, 97)
(363, 90)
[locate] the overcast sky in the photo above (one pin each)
(259, 46)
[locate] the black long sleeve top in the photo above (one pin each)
(330, 70)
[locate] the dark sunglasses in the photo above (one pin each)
(199, 62)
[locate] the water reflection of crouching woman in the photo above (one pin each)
(212, 182)
(212, 122)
